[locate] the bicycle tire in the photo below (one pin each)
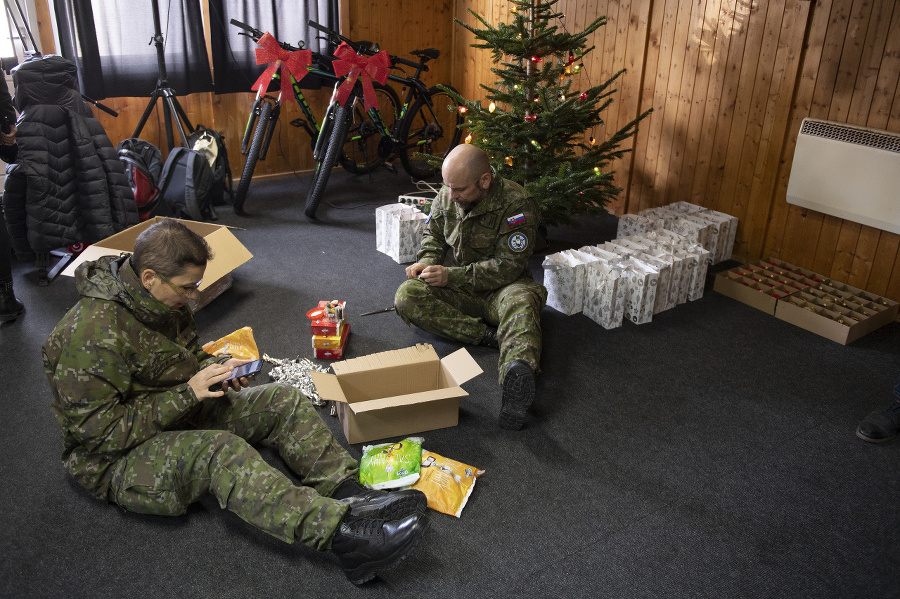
(341, 124)
(433, 125)
(361, 146)
(259, 136)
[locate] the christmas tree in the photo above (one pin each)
(533, 124)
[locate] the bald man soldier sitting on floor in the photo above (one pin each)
(471, 281)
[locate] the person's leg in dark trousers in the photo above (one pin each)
(10, 307)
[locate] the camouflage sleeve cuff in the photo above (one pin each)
(456, 277)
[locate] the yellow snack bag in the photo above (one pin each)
(239, 344)
(446, 483)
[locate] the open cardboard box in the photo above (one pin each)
(399, 392)
(228, 254)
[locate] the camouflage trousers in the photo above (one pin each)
(515, 310)
(176, 468)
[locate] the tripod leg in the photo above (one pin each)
(167, 117)
(182, 115)
(174, 112)
(153, 97)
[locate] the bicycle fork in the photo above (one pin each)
(270, 126)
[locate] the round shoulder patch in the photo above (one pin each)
(518, 242)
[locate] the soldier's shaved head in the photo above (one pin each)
(467, 160)
(168, 248)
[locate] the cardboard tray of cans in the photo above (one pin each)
(807, 299)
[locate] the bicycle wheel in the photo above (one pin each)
(431, 127)
(363, 143)
(341, 123)
(259, 136)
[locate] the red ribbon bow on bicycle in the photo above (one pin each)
(366, 68)
(275, 56)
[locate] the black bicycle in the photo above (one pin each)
(427, 124)
(266, 110)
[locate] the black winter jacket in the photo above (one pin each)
(68, 185)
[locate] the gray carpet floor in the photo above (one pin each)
(708, 453)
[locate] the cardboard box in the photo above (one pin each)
(397, 393)
(228, 254)
(746, 290)
(844, 322)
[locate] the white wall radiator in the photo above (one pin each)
(849, 172)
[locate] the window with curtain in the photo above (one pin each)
(234, 59)
(111, 42)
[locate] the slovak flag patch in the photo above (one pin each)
(516, 220)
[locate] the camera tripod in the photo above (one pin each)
(173, 113)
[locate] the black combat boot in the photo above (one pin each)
(881, 425)
(517, 395)
(366, 546)
(490, 338)
(375, 503)
(10, 307)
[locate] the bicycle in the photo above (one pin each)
(266, 110)
(428, 124)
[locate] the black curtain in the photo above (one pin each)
(111, 42)
(234, 60)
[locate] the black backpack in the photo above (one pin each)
(143, 167)
(212, 144)
(185, 185)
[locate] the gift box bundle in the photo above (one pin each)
(807, 299)
(715, 231)
(329, 329)
(633, 277)
(398, 231)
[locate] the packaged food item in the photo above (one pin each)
(446, 483)
(239, 344)
(391, 465)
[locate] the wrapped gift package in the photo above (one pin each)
(564, 280)
(604, 298)
(398, 231)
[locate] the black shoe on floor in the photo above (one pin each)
(387, 505)
(880, 425)
(10, 306)
(490, 338)
(366, 546)
(517, 395)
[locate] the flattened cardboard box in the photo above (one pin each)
(228, 254)
(399, 392)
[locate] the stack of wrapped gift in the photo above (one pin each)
(630, 278)
(329, 329)
(715, 231)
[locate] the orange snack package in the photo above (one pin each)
(239, 344)
(446, 483)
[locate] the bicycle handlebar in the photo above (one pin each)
(255, 34)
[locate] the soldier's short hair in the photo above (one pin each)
(167, 248)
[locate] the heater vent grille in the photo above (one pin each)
(862, 137)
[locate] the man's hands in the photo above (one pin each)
(436, 276)
(215, 374)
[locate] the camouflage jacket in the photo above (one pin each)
(489, 247)
(118, 365)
